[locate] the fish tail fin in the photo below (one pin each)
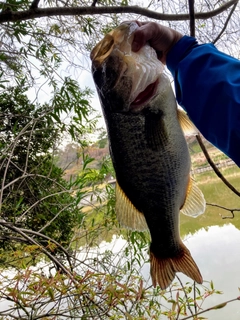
(163, 270)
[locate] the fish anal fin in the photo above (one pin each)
(195, 203)
(163, 270)
(186, 124)
(127, 215)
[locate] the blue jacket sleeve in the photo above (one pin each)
(207, 84)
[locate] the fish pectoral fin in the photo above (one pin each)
(127, 215)
(186, 124)
(163, 270)
(195, 203)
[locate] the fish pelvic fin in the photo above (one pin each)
(163, 270)
(195, 203)
(186, 124)
(127, 215)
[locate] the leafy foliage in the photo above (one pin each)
(33, 193)
(42, 215)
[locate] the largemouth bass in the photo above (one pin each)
(148, 150)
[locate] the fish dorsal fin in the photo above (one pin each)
(186, 124)
(128, 216)
(195, 203)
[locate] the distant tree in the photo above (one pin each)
(34, 194)
(67, 156)
(102, 139)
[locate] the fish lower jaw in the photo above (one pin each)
(144, 97)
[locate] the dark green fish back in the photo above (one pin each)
(149, 169)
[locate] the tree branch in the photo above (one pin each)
(12, 16)
(215, 169)
(219, 306)
(45, 251)
(51, 240)
(191, 17)
(94, 3)
(224, 208)
(34, 4)
(186, 296)
(226, 23)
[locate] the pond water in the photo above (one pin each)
(216, 250)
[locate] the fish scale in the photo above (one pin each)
(148, 149)
(156, 184)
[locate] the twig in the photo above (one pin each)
(94, 3)
(188, 305)
(34, 4)
(194, 296)
(224, 208)
(28, 148)
(226, 23)
(40, 200)
(191, 17)
(55, 217)
(31, 240)
(8, 163)
(11, 16)
(51, 240)
(218, 306)
(215, 169)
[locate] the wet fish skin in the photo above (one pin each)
(152, 167)
(150, 157)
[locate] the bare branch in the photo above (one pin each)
(185, 293)
(219, 306)
(215, 169)
(94, 3)
(191, 17)
(45, 251)
(226, 23)
(12, 16)
(53, 241)
(34, 4)
(224, 208)
(40, 200)
(55, 217)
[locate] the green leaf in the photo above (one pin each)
(51, 293)
(220, 306)
(211, 285)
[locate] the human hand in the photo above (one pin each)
(161, 38)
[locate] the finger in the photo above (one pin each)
(130, 21)
(143, 34)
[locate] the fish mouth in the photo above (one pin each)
(126, 80)
(144, 97)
